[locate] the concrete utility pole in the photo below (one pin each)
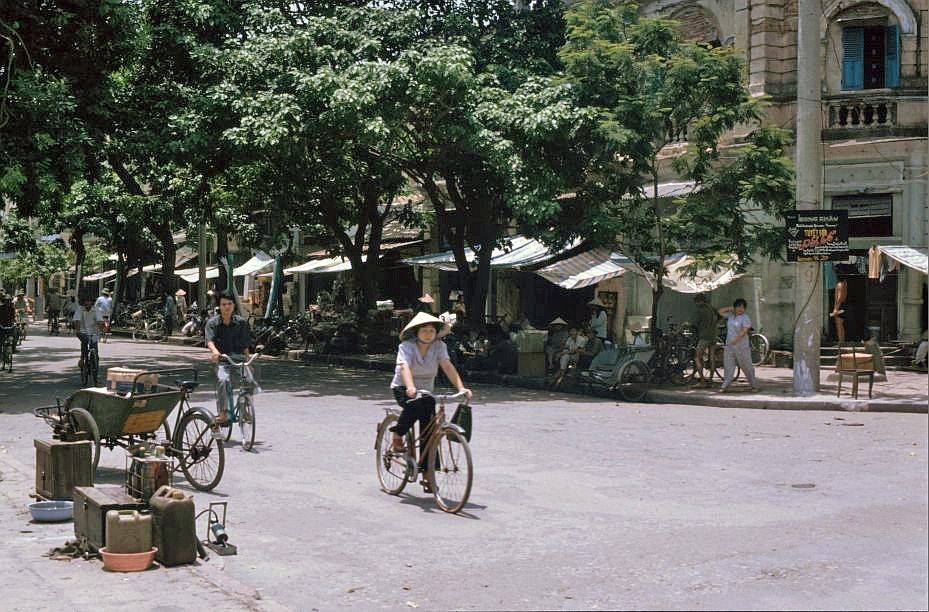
(201, 259)
(808, 288)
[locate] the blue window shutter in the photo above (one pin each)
(892, 57)
(852, 58)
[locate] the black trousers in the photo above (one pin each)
(422, 410)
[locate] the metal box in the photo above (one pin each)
(90, 507)
(61, 466)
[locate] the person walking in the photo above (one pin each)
(181, 297)
(170, 314)
(705, 319)
(738, 350)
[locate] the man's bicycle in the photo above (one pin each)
(7, 342)
(90, 360)
(54, 323)
(447, 468)
(242, 411)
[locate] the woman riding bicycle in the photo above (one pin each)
(419, 357)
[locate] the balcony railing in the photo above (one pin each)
(862, 113)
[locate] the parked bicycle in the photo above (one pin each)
(242, 409)
(446, 467)
(761, 346)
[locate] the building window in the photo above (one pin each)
(869, 216)
(870, 57)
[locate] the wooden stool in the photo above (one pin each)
(856, 374)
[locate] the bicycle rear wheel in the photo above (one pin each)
(450, 472)
(245, 415)
(202, 457)
(633, 381)
(392, 468)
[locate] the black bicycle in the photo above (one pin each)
(90, 360)
(7, 343)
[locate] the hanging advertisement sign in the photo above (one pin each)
(817, 235)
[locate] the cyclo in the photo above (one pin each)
(111, 420)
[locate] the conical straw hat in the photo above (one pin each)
(425, 318)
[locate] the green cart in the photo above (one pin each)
(111, 419)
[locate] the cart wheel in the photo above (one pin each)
(633, 381)
(84, 427)
(202, 457)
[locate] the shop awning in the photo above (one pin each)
(517, 252)
(588, 268)
(323, 266)
(680, 278)
(192, 275)
(100, 276)
(259, 262)
(912, 257)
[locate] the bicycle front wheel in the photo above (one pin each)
(450, 472)
(392, 467)
(202, 457)
(245, 415)
(760, 348)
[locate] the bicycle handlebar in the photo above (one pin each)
(444, 398)
(231, 361)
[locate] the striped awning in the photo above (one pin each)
(323, 265)
(516, 252)
(100, 276)
(588, 268)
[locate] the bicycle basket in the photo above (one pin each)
(462, 418)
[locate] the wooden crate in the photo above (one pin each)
(61, 466)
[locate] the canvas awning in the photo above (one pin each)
(100, 276)
(260, 261)
(588, 268)
(324, 265)
(192, 275)
(517, 252)
(912, 257)
(679, 277)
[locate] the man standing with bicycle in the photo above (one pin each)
(226, 334)
(705, 319)
(104, 305)
(88, 322)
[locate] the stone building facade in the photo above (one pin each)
(875, 151)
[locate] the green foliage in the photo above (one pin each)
(647, 87)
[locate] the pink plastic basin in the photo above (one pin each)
(127, 562)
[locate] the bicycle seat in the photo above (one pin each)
(189, 385)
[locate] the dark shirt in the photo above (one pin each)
(230, 339)
(7, 314)
(706, 317)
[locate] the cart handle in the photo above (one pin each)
(160, 372)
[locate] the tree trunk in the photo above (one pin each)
(658, 289)
(222, 250)
(168, 279)
(77, 245)
(120, 288)
(482, 279)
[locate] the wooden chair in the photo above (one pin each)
(856, 365)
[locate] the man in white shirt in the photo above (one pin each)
(104, 305)
(87, 320)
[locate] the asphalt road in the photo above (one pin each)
(577, 503)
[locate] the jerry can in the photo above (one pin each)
(174, 530)
(128, 531)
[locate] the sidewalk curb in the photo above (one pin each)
(656, 396)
